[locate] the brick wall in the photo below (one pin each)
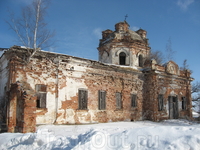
(168, 85)
(64, 75)
(22, 107)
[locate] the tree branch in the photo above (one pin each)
(31, 27)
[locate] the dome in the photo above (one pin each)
(134, 35)
(123, 33)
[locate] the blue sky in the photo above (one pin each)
(78, 25)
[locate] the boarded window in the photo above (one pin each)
(41, 91)
(83, 97)
(133, 100)
(122, 58)
(102, 100)
(183, 103)
(160, 102)
(140, 61)
(118, 100)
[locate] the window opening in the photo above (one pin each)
(118, 100)
(160, 102)
(83, 97)
(183, 103)
(102, 100)
(133, 100)
(140, 61)
(41, 92)
(122, 58)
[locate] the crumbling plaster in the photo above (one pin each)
(65, 75)
(110, 53)
(68, 75)
(4, 76)
(174, 83)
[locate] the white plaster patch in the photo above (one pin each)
(163, 90)
(30, 80)
(61, 94)
(73, 86)
(172, 93)
(61, 118)
(3, 76)
(82, 116)
(70, 116)
(105, 57)
(179, 105)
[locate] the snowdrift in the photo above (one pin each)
(143, 135)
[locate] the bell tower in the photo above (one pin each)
(123, 46)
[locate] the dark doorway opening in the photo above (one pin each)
(122, 58)
(173, 107)
(140, 61)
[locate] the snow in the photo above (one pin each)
(143, 135)
(1, 52)
(195, 114)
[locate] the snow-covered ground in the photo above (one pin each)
(195, 114)
(140, 135)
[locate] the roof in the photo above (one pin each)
(3, 49)
(134, 35)
(18, 50)
(121, 33)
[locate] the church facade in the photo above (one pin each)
(56, 88)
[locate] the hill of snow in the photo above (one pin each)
(140, 135)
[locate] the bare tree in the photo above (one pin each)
(158, 56)
(195, 87)
(196, 95)
(169, 51)
(185, 66)
(31, 27)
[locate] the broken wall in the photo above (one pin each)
(109, 53)
(4, 77)
(159, 82)
(65, 75)
(21, 110)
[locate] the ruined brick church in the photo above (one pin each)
(122, 86)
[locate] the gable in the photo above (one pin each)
(172, 68)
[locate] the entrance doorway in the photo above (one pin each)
(173, 107)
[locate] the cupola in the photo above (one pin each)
(122, 27)
(142, 33)
(123, 46)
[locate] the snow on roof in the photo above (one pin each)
(2, 50)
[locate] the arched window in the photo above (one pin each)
(122, 58)
(140, 61)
